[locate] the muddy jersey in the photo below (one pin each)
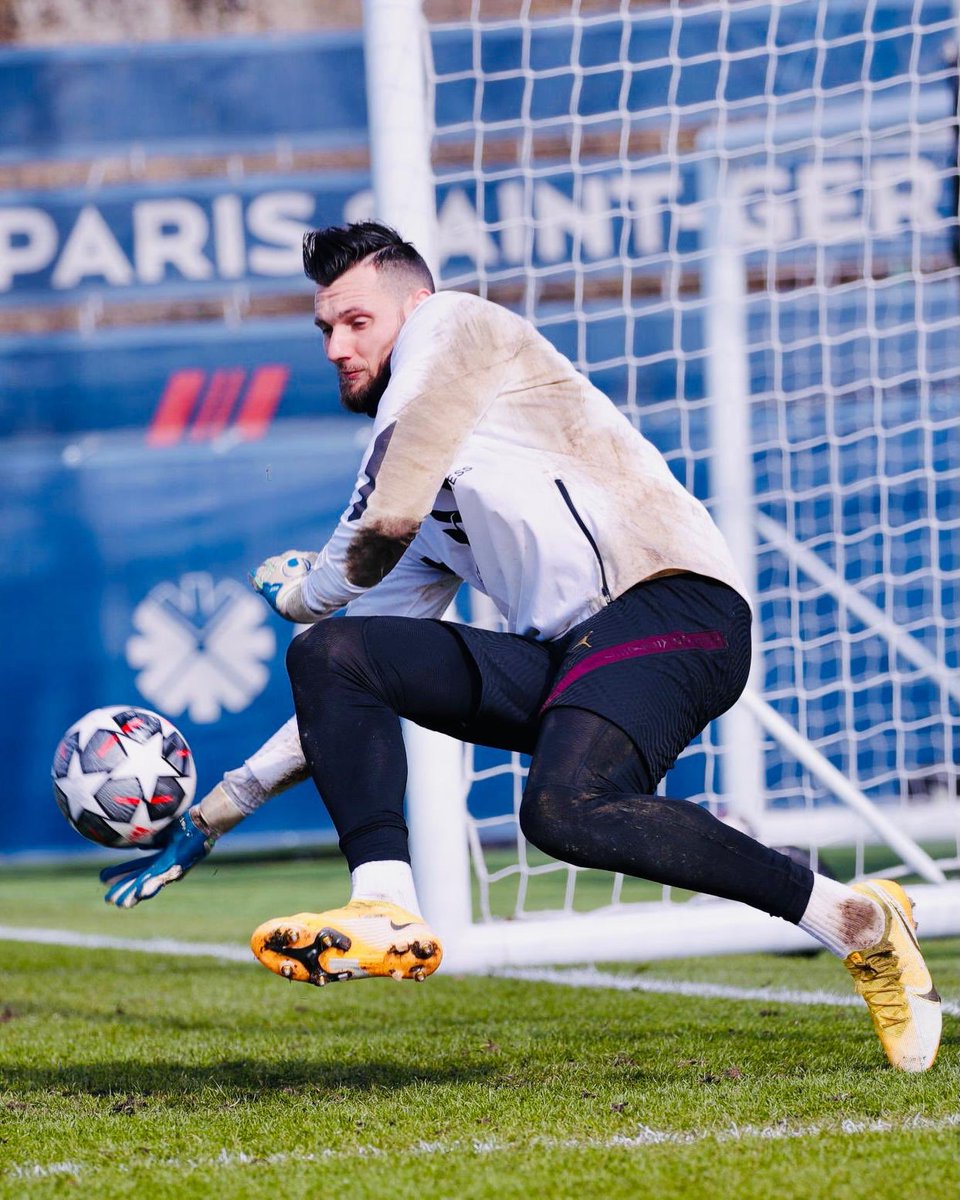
(492, 460)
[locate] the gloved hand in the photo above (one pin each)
(279, 580)
(141, 878)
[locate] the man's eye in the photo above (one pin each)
(360, 323)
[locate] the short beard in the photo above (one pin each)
(367, 400)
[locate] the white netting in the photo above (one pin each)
(590, 165)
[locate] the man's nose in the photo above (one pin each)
(338, 345)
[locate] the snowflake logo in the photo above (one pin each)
(200, 645)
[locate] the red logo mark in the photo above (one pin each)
(202, 404)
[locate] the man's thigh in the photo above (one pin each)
(661, 662)
(472, 684)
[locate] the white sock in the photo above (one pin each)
(840, 918)
(388, 879)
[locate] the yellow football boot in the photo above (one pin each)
(894, 981)
(364, 938)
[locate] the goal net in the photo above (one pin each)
(740, 220)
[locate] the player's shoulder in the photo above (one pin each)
(460, 311)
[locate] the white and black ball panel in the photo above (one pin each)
(122, 774)
(103, 752)
(67, 748)
(138, 724)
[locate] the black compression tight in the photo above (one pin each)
(588, 800)
(353, 678)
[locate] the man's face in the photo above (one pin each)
(360, 315)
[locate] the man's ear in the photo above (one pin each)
(414, 299)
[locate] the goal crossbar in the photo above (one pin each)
(654, 931)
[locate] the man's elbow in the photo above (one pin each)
(374, 552)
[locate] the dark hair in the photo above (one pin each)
(328, 253)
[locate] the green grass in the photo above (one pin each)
(152, 1077)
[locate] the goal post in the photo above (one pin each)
(741, 222)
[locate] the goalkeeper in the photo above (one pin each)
(491, 460)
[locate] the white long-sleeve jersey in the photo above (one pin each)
(492, 460)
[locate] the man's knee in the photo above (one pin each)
(573, 823)
(324, 649)
(546, 814)
(307, 652)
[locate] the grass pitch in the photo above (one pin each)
(127, 1074)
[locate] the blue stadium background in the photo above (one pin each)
(125, 464)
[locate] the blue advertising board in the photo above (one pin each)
(79, 101)
(191, 382)
(204, 237)
(123, 580)
(187, 238)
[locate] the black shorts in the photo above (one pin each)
(661, 662)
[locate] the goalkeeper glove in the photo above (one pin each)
(191, 839)
(279, 580)
(140, 879)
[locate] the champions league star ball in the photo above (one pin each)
(121, 775)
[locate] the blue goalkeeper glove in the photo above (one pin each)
(279, 580)
(141, 878)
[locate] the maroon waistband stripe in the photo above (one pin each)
(711, 639)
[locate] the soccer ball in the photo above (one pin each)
(122, 774)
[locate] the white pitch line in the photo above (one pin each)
(590, 977)
(644, 1137)
(585, 977)
(97, 941)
